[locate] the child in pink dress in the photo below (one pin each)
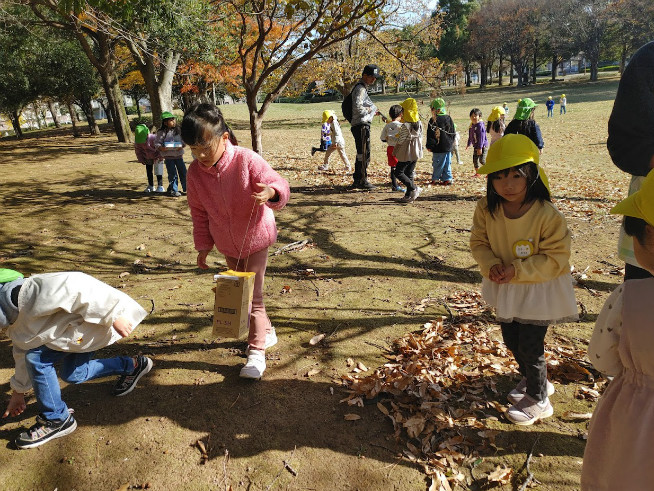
(619, 450)
(232, 192)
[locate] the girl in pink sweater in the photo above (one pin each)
(232, 192)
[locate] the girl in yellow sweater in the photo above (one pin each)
(522, 245)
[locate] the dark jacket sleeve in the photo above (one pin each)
(631, 142)
(431, 136)
(536, 135)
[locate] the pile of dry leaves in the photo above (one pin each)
(439, 389)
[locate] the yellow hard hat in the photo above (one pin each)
(410, 110)
(640, 204)
(562, 95)
(510, 151)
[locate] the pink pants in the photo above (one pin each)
(259, 321)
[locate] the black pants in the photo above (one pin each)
(361, 134)
(393, 178)
(404, 174)
(527, 343)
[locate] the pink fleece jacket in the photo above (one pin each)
(146, 151)
(221, 204)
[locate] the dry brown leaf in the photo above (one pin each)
(575, 415)
(439, 482)
(316, 339)
(352, 417)
(501, 475)
(362, 367)
(123, 274)
(312, 372)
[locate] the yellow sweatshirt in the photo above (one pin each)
(537, 243)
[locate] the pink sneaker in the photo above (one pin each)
(528, 411)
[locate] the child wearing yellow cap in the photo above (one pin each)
(325, 134)
(337, 144)
(618, 454)
(549, 104)
(564, 102)
(408, 149)
(522, 245)
(496, 126)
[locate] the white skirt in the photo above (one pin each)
(542, 304)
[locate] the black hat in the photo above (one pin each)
(372, 70)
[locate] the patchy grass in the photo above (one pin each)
(77, 203)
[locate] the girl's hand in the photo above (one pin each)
(267, 193)
(16, 404)
(478, 151)
(496, 273)
(122, 327)
(202, 259)
(509, 274)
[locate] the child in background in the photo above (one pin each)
(170, 145)
(149, 156)
(408, 149)
(325, 135)
(564, 102)
(523, 123)
(522, 245)
(389, 136)
(619, 448)
(232, 194)
(63, 318)
(505, 106)
(440, 139)
(338, 142)
(550, 107)
(477, 138)
(495, 126)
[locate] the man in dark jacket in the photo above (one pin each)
(631, 141)
(440, 140)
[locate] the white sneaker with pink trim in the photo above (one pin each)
(255, 365)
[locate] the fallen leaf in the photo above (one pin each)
(501, 475)
(574, 415)
(362, 367)
(316, 339)
(123, 274)
(312, 372)
(352, 417)
(140, 247)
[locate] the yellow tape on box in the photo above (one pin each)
(233, 303)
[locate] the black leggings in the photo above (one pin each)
(404, 174)
(527, 343)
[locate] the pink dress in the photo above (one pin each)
(620, 448)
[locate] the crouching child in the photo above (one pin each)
(62, 319)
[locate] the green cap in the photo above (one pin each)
(167, 115)
(524, 109)
(141, 133)
(7, 275)
(439, 105)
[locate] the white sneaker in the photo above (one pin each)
(414, 194)
(255, 365)
(348, 169)
(528, 411)
(160, 189)
(323, 167)
(149, 189)
(271, 340)
(516, 395)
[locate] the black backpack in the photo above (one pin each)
(346, 106)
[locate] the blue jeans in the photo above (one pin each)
(550, 113)
(75, 369)
(442, 166)
(175, 167)
(562, 110)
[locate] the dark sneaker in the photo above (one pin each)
(126, 383)
(367, 185)
(45, 430)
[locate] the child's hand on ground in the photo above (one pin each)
(202, 259)
(123, 327)
(267, 193)
(16, 404)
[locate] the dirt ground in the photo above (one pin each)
(78, 204)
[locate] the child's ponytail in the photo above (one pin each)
(202, 122)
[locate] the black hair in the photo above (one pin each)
(496, 125)
(635, 227)
(476, 111)
(202, 122)
(536, 189)
(166, 129)
(395, 111)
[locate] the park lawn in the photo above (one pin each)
(373, 271)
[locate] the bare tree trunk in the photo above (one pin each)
(623, 57)
(555, 64)
(55, 118)
(533, 76)
(255, 123)
(72, 112)
(499, 77)
(107, 112)
(36, 115)
(511, 74)
(87, 107)
(15, 122)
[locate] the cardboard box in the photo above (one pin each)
(233, 303)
